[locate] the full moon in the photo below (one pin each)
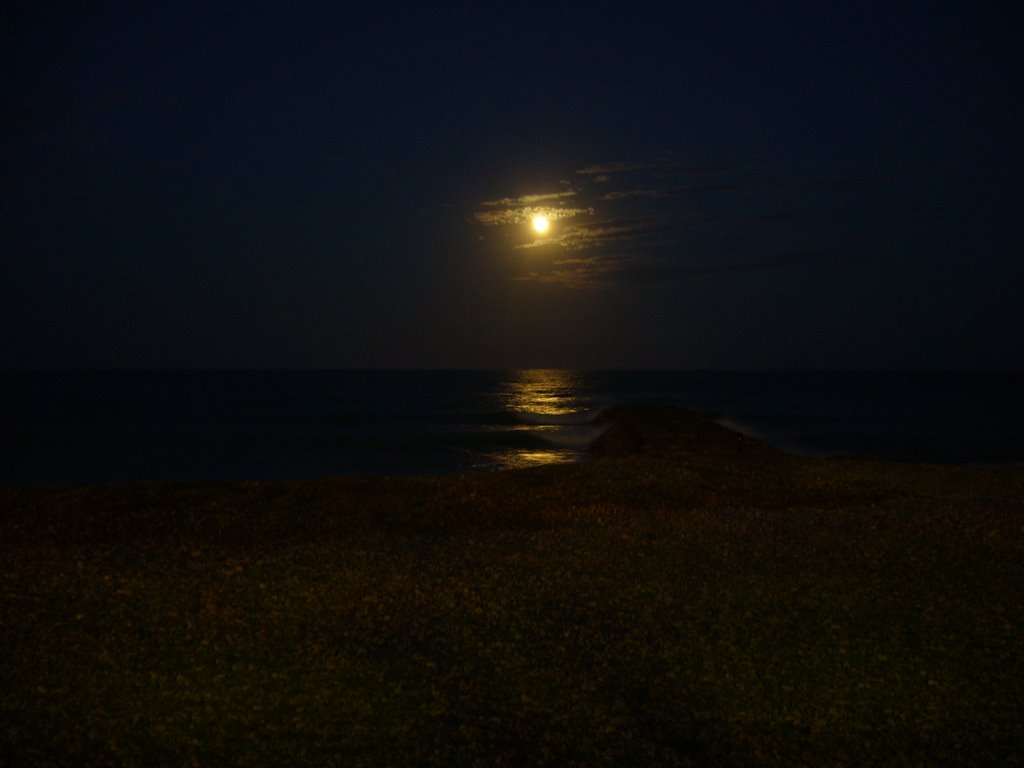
(541, 224)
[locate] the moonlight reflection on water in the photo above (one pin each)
(552, 406)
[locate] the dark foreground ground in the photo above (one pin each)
(688, 597)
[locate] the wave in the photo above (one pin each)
(579, 437)
(497, 417)
(787, 441)
(569, 418)
(572, 431)
(538, 436)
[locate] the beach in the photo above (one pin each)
(685, 596)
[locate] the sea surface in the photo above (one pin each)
(120, 426)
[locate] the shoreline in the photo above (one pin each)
(645, 429)
(686, 596)
(76, 430)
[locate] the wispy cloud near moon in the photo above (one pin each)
(526, 213)
(593, 234)
(675, 220)
(530, 199)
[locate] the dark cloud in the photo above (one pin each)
(628, 194)
(773, 261)
(662, 168)
(609, 270)
(595, 271)
(601, 169)
(679, 191)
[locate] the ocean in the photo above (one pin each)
(129, 426)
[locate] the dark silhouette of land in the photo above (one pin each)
(687, 596)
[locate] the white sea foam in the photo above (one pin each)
(566, 418)
(783, 442)
(571, 437)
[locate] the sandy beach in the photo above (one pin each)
(686, 596)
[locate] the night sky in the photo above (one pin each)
(729, 185)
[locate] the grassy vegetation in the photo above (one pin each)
(687, 597)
